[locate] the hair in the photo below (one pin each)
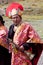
(1, 20)
(20, 16)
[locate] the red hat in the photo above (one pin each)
(14, 8)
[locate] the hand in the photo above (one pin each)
(22, 48)
(10, 47)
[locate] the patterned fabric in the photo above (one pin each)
(19, 58)
(3, 36)
(23, 33)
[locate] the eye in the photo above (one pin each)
(16, 17)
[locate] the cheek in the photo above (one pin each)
(18, 19)
(14, 20)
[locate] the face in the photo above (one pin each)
(16, 19)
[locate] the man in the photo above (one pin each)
(21, 33)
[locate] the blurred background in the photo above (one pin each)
(33, 13)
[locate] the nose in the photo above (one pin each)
(15, 19)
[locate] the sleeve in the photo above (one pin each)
(31, 32)
(26, 46)
(11, 32)
(33, 35)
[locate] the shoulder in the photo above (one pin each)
(4, 28)
(11, 26)
(26, 24)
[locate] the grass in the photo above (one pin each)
(28, 17)
(32, 17)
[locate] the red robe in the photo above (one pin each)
(23, 33)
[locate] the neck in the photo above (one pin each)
(19, 23)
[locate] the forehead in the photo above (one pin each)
(14, 16)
